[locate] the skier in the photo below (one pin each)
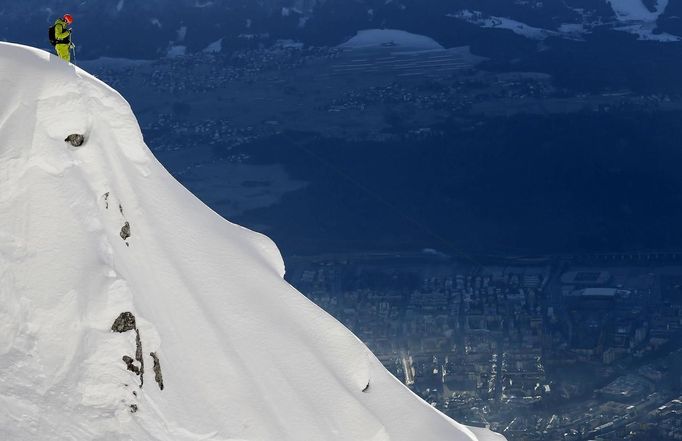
(60, 37)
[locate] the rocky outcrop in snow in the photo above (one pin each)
(158, 376)
(126, 322)
(75, 139)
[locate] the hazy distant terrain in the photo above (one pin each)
(386, 148)
(522, 128)
(511, 28)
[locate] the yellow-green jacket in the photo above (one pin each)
(61, 32)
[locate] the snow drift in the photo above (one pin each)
(112, 274)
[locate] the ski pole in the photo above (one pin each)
(72, 47)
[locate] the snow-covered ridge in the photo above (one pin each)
(493, 22)
(634, 10)
(631, 16)
(112, 274)
(639, 20)
(375, 38)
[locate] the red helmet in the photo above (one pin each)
(68, 18)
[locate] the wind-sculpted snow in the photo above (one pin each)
(192, 307)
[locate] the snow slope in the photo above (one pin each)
(243, 355)
(370, 38)
(493, 22)
(639, 20)
(634, 10)
(631, 16)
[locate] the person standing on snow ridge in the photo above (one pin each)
(62, 37)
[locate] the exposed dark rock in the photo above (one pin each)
(366, 389)
(75, 140)
(125, 231)
(138, 343)
(138, 355)
(133, 408)
(130, 364)
(124, 323)
(106, 200)
(157, 370)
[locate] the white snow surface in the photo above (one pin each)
(214, 47)
(634, 10)
(631, 16)
(639, 20)
(493, 22)
(391, 37)
(244, 356)
(176, 51)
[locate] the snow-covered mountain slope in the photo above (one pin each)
(112, 274)
(635, 10)
(631, 16)
(377, 38)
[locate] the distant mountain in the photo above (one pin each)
(148, 29)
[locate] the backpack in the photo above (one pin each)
(51, 34)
